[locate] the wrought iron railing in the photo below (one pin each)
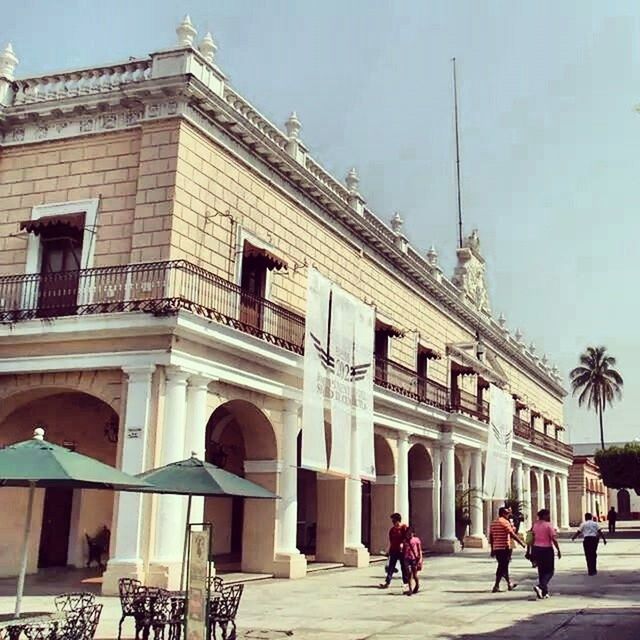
(159, 288)
(404, 381)
(521, 428)
(551, 444)
(465, 402)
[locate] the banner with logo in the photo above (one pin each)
(316, 363)
(500, 440)
(343, 308)
(363, 368)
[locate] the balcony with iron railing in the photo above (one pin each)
(521, 428)
(164, 288)
(406, 382)
(464, 402)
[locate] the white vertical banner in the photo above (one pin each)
(500, 440)
(343, 308)
(363, 368)
(316, 364)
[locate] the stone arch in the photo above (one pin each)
(105, 384)
(382, 500)
(241, 439)
(78, 421)
(421, 492)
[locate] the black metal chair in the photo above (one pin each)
(223, 610)
(66, 602)
(215, 584)
(127, 588)
(88, 618)
(41, 631)
(151, 610)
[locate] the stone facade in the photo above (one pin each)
(161, 182)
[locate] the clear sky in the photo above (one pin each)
(550, 136)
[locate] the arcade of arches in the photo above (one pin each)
(168, 413)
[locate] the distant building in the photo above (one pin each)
(587, 489)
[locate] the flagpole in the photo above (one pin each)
(455, 107)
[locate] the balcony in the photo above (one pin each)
(551, 444)
(521, 428)
(159, 288)
(402, 380)
(163, 288)
(465, 402)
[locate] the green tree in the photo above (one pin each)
(596, 382)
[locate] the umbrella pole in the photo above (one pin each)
(184, 546)
(25, 550)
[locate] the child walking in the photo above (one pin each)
(412, 551)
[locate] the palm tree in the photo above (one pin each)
(597, 382)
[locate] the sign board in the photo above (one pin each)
(197, 592)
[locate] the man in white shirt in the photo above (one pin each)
(591, 533)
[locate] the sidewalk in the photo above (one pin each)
(455, 602)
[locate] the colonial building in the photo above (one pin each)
(155, 236)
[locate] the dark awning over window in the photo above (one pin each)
(73, 221)
(269, 260)
(391, 330)
(430, 353)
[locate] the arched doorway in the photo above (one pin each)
(80, 422)
(421, 493)
(382, 495)
(240, 439)
(624, 504)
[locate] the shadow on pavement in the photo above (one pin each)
(580, 624)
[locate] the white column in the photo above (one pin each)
(354, 494)
(526, 476)
(170, 517)
(195, 432)
(519, 480)
(435, 459)
(553, 499)
(402, 484)
(287, 506)
(476, 500)
(134, 434)
(564, 502)
(540, 504)
(448, 490)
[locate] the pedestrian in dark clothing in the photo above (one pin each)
(501, 533)
(397, 535)
(612, 516)
(591, 534)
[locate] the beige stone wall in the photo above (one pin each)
(211, 186)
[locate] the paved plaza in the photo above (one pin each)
(455, 601)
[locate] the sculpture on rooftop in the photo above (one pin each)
(469, 274)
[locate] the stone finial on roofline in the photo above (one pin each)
(186, 32)
(352, 180)
(432, 256)
(8, 62)
(293, 126)
(518, 336)
(397, 222)
(502, 321)
(208, 47)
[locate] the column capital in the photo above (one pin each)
(176, 375)
(199, 382)
(139, 373)
(403, 437)
(291, 406)
(518, 464)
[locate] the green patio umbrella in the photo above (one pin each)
(194, 477)
(36, 463)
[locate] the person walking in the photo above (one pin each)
(412, 553)
(612, 517)
(501, 534)
(545, 538)
(591, 534)
(397, 535)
